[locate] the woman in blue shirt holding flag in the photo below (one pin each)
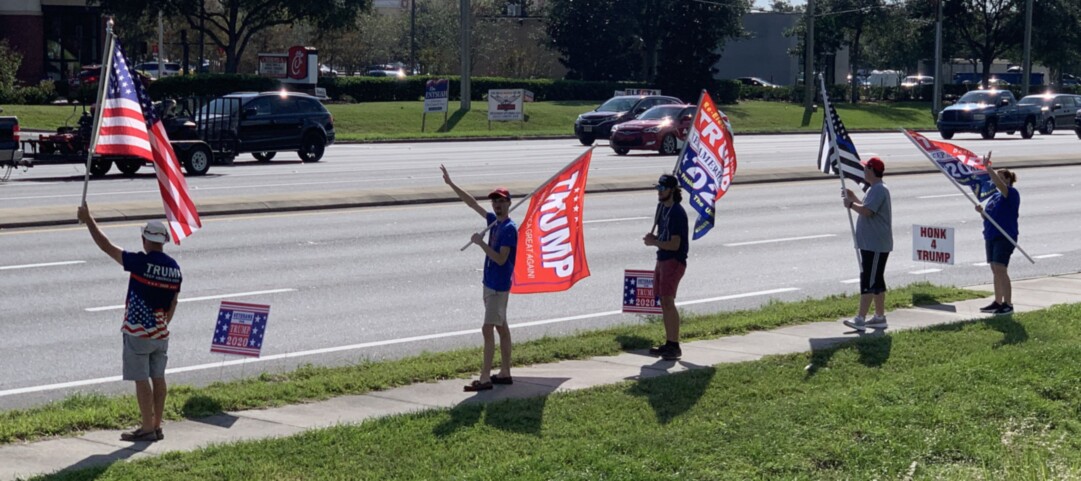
(1003, 207)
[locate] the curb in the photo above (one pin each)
(307, 201)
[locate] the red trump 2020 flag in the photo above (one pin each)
(130, 127)
(551, 248)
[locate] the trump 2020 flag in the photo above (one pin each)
(960, 164)
(708, 162)
(551, 253)
(130, 127)
(240, 328)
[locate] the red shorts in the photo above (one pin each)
(666, 277)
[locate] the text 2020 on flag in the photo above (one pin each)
(707, 163)
(130, 127)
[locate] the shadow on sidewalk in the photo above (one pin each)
(675, 394)
(518, 407)
(94, 466)
(872, 347)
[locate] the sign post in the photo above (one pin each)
(933, 244)
(436, 99)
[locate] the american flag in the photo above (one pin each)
(142, 321)
(240, 328)
(130, 127)
(836, 147)
(639, 292)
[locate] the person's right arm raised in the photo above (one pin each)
(468, 199)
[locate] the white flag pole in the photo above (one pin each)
(840, 171)
(969, 197)
(523, 199)
(106, 73)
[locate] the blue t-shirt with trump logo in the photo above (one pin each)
(497, 277)
(154, 283)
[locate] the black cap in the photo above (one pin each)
(667, 181)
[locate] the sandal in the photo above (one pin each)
(496, 379)
(478, 386)
(139, 435)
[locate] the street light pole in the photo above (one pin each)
(937, 94)
(808, 63)
(465, 102)
(1028, 49)
(412, 37)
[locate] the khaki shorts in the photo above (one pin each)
(144, 358)
(495, 307)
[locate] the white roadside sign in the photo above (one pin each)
(933, 244)
(505, 105)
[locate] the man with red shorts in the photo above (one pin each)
(672, 244)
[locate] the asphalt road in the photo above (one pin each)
(388, 282)
(371, 167)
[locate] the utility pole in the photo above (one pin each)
(412, 37)
(808, 64)
(202, 35)
(1028, 49)
(466, 30)
(936, 104)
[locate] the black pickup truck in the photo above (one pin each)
(10, 152)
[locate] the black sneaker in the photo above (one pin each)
(673, 353)
(992, 307)
(1005, 309)
(659, 350)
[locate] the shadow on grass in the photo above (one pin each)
(873, 349)
(1012, 331)
(198, 406)
(672, 395)
(515, 408)
(452, 122)
(630, 343)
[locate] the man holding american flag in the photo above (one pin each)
(151, 301)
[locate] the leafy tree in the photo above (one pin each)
(10, 60)
(230, 24)
(693, 34)
(989, 28)
(597, 39)
(1056, 36)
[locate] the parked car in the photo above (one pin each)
(597, 124)
(1056, 109)
(988, 112)
(271, 122)
(150, 69)
(662, 128)
(913, 81)
(756, 82)
(1077, 123)
(88, 75)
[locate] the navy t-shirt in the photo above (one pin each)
(154, 283)
(1005, 211)
(673, 221)
(497, 277)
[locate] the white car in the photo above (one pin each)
(151, 69)
(917, 80)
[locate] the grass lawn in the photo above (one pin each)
(402, 120)
(996, 399)
(313, 383)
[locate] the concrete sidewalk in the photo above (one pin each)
(249, 204)
(104, 447)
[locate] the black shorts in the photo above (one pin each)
(872, 274)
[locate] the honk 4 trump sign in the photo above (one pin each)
(932, 244)
(551, 248)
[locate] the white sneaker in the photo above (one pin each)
(856, 323)
(877, 322)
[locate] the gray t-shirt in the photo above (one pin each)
(875, 232)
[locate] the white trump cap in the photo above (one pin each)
(155, 231)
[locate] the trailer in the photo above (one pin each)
(199, 137)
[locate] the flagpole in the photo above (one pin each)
(103, 80)
(840, 171)
(523, 199)
(970, 199)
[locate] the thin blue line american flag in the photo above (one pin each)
(130, 127)
(836, 147)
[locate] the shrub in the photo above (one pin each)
(209, 85)
(381, 89)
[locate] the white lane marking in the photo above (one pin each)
(44, 264)
(1047, 256)
(938, 196)
(204, 298)
(426, 337)
(786, 239)
(925, 271)
(850, 281)
(599, 221)
(981, 264)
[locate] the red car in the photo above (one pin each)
(662, 128)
